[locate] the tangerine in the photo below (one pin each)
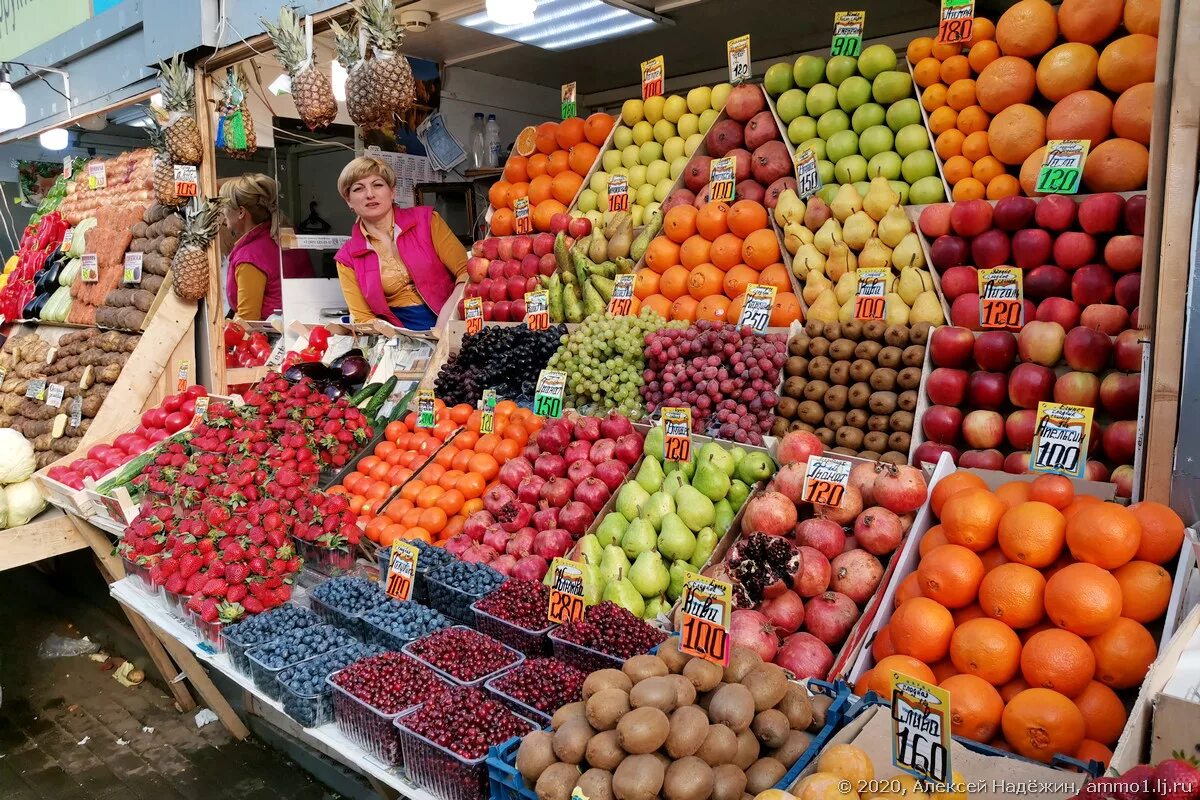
(1083, 599)
(972, 120)
(919, 48)
(927, 72)
(1013, 594)
(961, 93)
(1040, 723)
(968, 188)
(982, 53)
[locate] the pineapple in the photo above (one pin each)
(177, 83)
(164, 170)
(311, 89)
(362, 105)
(237, 125)
(189, 266)
(391, 77)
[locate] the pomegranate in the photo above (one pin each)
(530, 489)
(744, 102)
(797, 446)
(856, 574)
(813, 577)
(805, 656)
(576, 517)
(771, 513)
(550, 466)
(556, 492)
(476, 525)
(531, 568)
(531, 452)
(514, 471)
(844, 514)
(878, 531)
(785, 612)
(593, 493)
(587, 428)
(552, 543)
(577, 451)
(612, 472)
(628, 448)
(457, 545)
(521, 543)
(862, 477)
(545, 518)
(823, 535)
(615, 425)
(580, 471)
(503, 564)
(753, 630)
(478, 554)
(496, 538)
(906, 520)
(851, 544)
(602, 450)
(514, 516)
(554, 437)
(497, 498)
(789, 482)
(900, 488)
(830, 616)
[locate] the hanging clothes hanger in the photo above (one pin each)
(314, 223)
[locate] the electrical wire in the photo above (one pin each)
(9, 223)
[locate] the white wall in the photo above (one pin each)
(516, 104)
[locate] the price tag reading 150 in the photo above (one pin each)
(402, 570)
(825, 481)
(621, 303)
(757, 306)
(677, 434)
(704, 629)
(566, 592)
(548, 396)
(920, 728)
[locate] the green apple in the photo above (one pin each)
(678, 166)
(673, 148)
(637, 176)
(841, 144)
(611, 159)
(850, 169)
(650, 151)
(853, 92)
(808, 71)
(865, 116)
(693, 142)
(891, 86)
(621, 171)
(622, 137)
(825, 170)
(707, 118)
(663, 190)
(918, 164)
(629, 155)
(595, 216)
(599, 182)
(839, 68)
(927, 190)
(862, 187)
(720, 93)
(791, 104)
(876, 59)
(910, 139)
(778, 79)
(875, 139)
(652, 109)
(821, 98)
(587, 200)
(816, 144)
(663, 131)
(901, 188)
(905, 112)
(636, 212)
(831, 122)
(643, 132)
(687, 125)
(801, 128)
(652, 207)
(886, 164)
(632, 112)
(656, 171)
(645, 193)
(675, 108)
(699, 99)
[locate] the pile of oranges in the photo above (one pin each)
(701, 264)
(1040, 74)
(442, 472)
(1030, 605)
(547, 165)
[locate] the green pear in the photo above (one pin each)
(656, 607)
(588, 550)
(706, 542)
(694, 508)
(712, 480)
(611, 528)
(718, 456)
(676, 541)
(613, 564)
(593, 585)
(672, 482)
(724, 517)
(650, 475)
(649, 575)
(623, 593)
(679, 572)
(686, 468)
(738, 492)
(657, 506)
(738, 454)
(756, 466)
(639, 537)
(630, 499)
(652, 447)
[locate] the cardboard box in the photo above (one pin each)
(1175, 724)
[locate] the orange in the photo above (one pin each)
(992, 557)
(582, 156)
(1089, 21)
(1028, 28)
(934, 537)
(428, 496)
(949, 143)
(685, 308)
(1013, 594)
(918, 49)
(597, 127)
(1032, 533)
(680, 223)
(736, 280)
(972, 611)
(951, 575)
(694, 250)
(714, 308)
(1141, 16)
(645, 283)
(661, 254)
(1145, 590)
(539, 164)
(942, 119)
(726, 251)
(776, 275)
(961, 93)
(908, 588)
(1124, 654)
(881, 645)
(498, 194)
(1013, 493)
(560, 162)
(1162, 531)
(1068, 68)
(540, 189)
(570, 133)
(968, 189)
(674, 282)
(943, 51)
(484, 465)
(982, 30)
(881, 674)
(982, 53)
(1083, 599)
(1005, 82)
(975, 146)
(1085, 114)
(943, 669)
(472, 505)
(566, 186)
(1105, 534)
(986, 648)
(976, 707)
(1030, 168)
(711, 220)
(1133, 112)
(1103, 712)
(1058, 660)
(786, 310)
(433, 519)
(987, 169)
(921, 628)
(927, 72)
(544, 211)
(951, 485)
(1016, 132)
(1013, 688)
(745, 217)
(417, 533)
(957, 168)
(1054, 490)
(1040, 723)
(1127, 62)
(516, 169)
(1090, 750)
(760, 249)
(1117, 165)
(546, 137)
(450, 478)
(974, 120)
(658, 304)
(971, 517)
(471, 485)
(954, 68)
(704, 281)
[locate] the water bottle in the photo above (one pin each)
(479, 153)
(493, 141)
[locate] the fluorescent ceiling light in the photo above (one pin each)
(281, 85)
(54, 139)
(567, 24)
(511, 12)
(338, 76)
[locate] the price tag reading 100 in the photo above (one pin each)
(704, 630)
(677, 434)
(566, 592)
(402, 570)
(869, 302)
(1060, 439)
(548, 396)
(920, 728)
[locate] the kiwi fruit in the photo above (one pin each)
(798, 345)
(639, 668)
(877, 422)
(796, 705)
(883, 379)
(596, 784)
(900, 441)
(535, 754)
(839, 373)
(896, 335)
(643, 730)
(767, 684)
(835, 398)
(918, 333)
(729, 782)
(733, 705)
(557, 781)
(909, 378)
(771, 727)
(867, 350)
(606, 679)
(857, 418)
(832, 330)
(763, 774)
(569, 711)
(688, 778)
(689, 727)
(889, 356)
(815, 389)
(818, 346)
(867, 455)
(818, 368)
(820, 708)
(604, 750)
(786, 410)
(873, 329)
(571, 740)
(901, 421)
(796, 366)
(657, 692)
(907, 400)
(780, 426)
(826, 436)
(913, 355)
(606, 707)
(813, 328)
(859, 395)
(848, 437)
(861, 370)
(876, 441)
(748, 749)
(794, 387)
(852, 330)
(719, 746)
(882, 402)
(894, 458)
(639, 777)
(841, 349)
(842, 451)
(685, 692)
(800, 425)
(794, 745)
(835, 419)
(704, 675)
(741, 661)
(810, 411)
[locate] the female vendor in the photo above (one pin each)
(401, 264)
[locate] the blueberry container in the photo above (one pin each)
(430, 559)
(376, 634)
(262, 629)
(581, 656)
(348, 619)
(265, 676)
(532, 643)
(517, 658)
(315, 709)
(442, 772)
(452, 600)
(367, 726)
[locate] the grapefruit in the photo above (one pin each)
(1089, 21)
(1028, 28)
(1127, 62)
(1016, 132)
(1133, 111)
(1118, 165)
(1081, 115)
(1005, 82)
(1068, 68)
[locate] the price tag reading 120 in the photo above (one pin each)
(869, 298)
(847, 33)
(425, 408)
(548, 396)
(738, 51)
(704, 629)
(756, 309)
(487, 419)
(677, 433)
(825, 481)
(402, 570)
(473, 312)
(537, 309)
(1063, 167)
(1000, 297)
(653, 74)
(920, 728)
(621, 303)
(566, 592)
(1060, 439)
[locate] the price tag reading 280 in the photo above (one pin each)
(825, 481)
(677, 434)
(869, 300)
(425, 408)
(537, 309)
(566, 592)
(1001, 295)
(548, 396)
(847, 33)
(704, 630)
(1060, 439)
(920, 728)
(402, 570)
(756, 309)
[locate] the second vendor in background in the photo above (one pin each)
(401, 264)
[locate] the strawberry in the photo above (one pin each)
(189, 564)
(215, 587)
(253, 605)
(237, 593)
(195, 583)
(236, 573)
(175, 584)
(259, 566)
(1176, 779)
(208, 610)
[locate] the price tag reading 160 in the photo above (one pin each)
(566, 592)
(704, 630)
(920, 728)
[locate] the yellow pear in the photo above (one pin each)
(789, 208)
(846, 311)
(824, 308)
(857, 229)
(829, 233)
(908, 252)
(875, 254)
(895, 310)
(910, 284)
(894, 226)
(847, 286)
(840, 260)
(880, 197)
(846, 202)
(808, 259)
(814, 285)
(926, 308)
(795, 235)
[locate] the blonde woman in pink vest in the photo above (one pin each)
(252, 284)
(401, 264)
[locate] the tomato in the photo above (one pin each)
(234, 334)
(154, 418)
(195, 391)
(177, 421)
(171, 403)
(188, 407)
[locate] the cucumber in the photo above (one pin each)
(398, 411)
(363, 394)
(129, 471)
(379, 398)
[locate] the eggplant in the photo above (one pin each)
(354, 371)
(351, 353)
(314, 370)
(333, 391)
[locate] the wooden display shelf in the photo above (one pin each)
(49, 534)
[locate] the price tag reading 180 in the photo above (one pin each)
(825, 481)
(566, 592)
(473, 313)
(920, 728)
(1001, 297)
(721, 179)
(704, 628)
(958, 18)
(757, 306)
(738, 51)
(808, 176)
(1063, 167)
(653, 74)
(402, 570)
(1060, 439)
(621, 303)
(677, 434)
(869, 298)
(847, 33)
(425, 408)
(548, 396)
(537, 310)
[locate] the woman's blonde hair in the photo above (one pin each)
(258, 194)
(363, 167)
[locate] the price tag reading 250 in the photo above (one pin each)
(677, 434)
(756, 309)
(566, 592)
(825, 481)
(704, 631)
(402, 570)
(548, 396)
(473, 312)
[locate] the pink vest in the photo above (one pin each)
(414, 244)
(258, 249)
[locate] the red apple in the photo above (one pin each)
(477, 269)
(1135, 214)
(496, 269)
(1108, 319)
(935, 220)
(1120, 441)
(1124, 253)
(1019, 426)
(580, 227)
(995, 351)
(516, 311)
(1013, 213)
(543, 243)
(981, 459)
(1086, 349)
(521, 246)
(1059, 309)
(1120, 393)
(1127, 351)
(1041, 343)
(1077, 389)
(1122, 476)
(948, 251)
(1030, 384)
(971, 218)
(931, 453)
(1096, 471)
(531, 285)
(1128, 291)
(1031, 248)
(942, 424)
(1092, 284)
(547, 264)
(559, 223)
(512, 268)
(946, 386)
(502, 311)
(516, 287)
(951, 346)
(1101, 213)
(964, 311)
(1017, 463)
(958, 281)
(504, 248)
(1095, 434)
(1055, 212)
(987, 389)
(1073, 249)
(983, 429)
(990, 249)
(1047, 281)
(499, 290)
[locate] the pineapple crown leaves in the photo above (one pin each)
(346, 42)
(155, 132)
(201, 225)
(289, 39)
(177, 84)
(377, 17)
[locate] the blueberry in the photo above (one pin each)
(308, 701)
(299, 645)
(351, 596)
(270, 625)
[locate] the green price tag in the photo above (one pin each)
(425, 413)
(548, 396)
(1063, 167)
(568, 100)
(487, 420)
(847, 33)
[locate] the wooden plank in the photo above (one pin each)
(49, 534)
(207, 173)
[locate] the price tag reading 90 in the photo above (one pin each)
(847, 33)
(704, 629)
(566, 592)
(920, 728)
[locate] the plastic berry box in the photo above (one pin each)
(517, 658)
(265, 676)
(532, 643)
(376, 635)
(335, 616)
(444, 773)
(581, 656)
(314, 710)
(541, 718)
(367, 726)
(258, 630)
(142, 573)
(453, 601)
